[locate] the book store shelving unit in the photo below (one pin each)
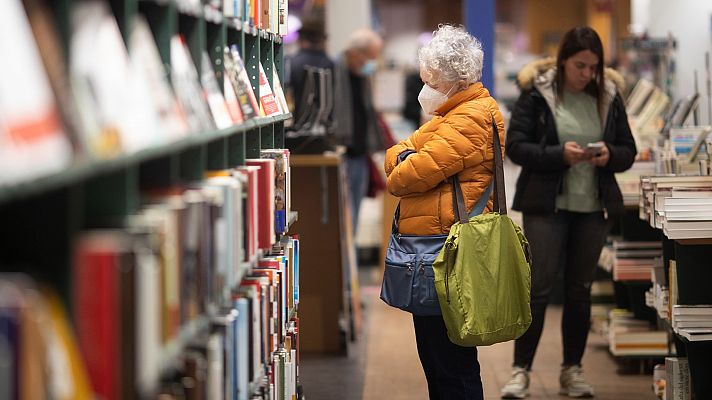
(41, 219)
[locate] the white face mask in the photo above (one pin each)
(430, 99)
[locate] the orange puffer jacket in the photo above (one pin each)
(458, 140)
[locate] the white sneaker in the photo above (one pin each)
(573, 383)
(518, 386)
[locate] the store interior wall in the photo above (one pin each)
(342, 18)
(690, 23)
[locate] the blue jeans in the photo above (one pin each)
(452, 371)
(572, 241)
(358, 174)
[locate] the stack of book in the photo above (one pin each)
(688, 189)
(688, 217)
(628, 336)
(635, 260)
(694, 322)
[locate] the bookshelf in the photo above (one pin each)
(685, 262)
(44, 215)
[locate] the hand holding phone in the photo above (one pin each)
(598, 154)
(594, 149)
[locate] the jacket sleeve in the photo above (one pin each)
(394, 151)
(622, 150)
(522, 146)
(443, 155)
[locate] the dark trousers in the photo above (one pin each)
(452, 371)
(572, 241)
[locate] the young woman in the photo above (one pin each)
(569, 132)
(456, 141)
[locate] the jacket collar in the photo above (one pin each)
(472, 92)
(540, 75)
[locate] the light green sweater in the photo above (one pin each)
(577, 120)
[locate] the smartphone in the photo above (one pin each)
(594, 149)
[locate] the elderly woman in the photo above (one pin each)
(456, 141)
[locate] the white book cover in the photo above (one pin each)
(148, 65)
(216, 370)
(148, 314)
(283, 14)
(688, 234)
(279, 91)
(114, 104)
(688, 225)
(699, 193)
(32, 140)
(186, 84)
(687, 201)
(213, 94)
(698, 309)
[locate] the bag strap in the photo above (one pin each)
(500, 197)
(458, 201)
(458, 205)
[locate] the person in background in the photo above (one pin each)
(456, 141)
(312, 39)
(356, 119)
(569, 132)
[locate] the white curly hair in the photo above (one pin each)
(452, 55)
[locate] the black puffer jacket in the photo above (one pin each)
(533, 142)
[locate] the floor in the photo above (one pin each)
(383, 362)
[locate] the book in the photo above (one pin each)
(251, 210)
(51, 51)
(283, 12)
(237, 76)
(279, 92)
(233, 105)
(698, 309)
(216, 369)
(213, 95)
(32, 140)
(695, 336)
(268, 103)
(266, 198)
(280, 187)
(103, 281)
(185, 80)
(146, 247)
(113, 97)
(230, 244)
(638, 96)
(677, 372)
(147, 63)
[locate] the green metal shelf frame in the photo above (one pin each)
(87, 169)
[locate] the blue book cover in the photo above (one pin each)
(242, 344)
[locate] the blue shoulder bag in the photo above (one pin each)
(408, 279)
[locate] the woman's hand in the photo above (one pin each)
(573, 153)
(601, 159)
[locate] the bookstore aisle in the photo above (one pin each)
(384, 364)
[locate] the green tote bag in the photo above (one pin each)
(482, 274)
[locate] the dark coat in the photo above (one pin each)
(533, 143)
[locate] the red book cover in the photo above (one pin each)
(97, 309)
(265, 188)
(251, 210)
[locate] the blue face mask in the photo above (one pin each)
(369, 68)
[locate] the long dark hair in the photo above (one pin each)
(579, 39)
